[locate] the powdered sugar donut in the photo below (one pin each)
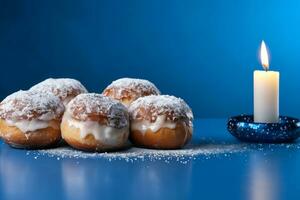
(94, 122)
(161, 122)
(64, 88)
(30, 119)
(127, 90)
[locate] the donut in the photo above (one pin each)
(93, 122)
(64, 88)
(160, 122)
(126, 90)
(30, 119)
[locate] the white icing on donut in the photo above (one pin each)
(106, 134)
(31, 125)
(143, 125)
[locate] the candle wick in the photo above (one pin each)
(265, 68)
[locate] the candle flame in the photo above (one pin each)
(264, 57)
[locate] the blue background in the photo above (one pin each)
(204, 51)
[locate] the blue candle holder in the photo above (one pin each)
(245, 129)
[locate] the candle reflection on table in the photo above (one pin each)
(263, 180)
(75, 180)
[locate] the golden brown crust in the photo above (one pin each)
(31, 140)
(164, 138)
(127, 90)
(125, 98)
(149, 114)
(72, 136)
(127, 95)
(93, 116)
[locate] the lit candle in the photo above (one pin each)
(266, 91)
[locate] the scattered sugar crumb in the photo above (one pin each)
(204, 150)
(140, 154)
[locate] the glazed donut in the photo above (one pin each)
(127, 90)
(93, 122)
(64, 88)
(30, 119)
(160, 122)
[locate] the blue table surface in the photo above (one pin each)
(264, 172)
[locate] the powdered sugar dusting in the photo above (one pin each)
(84, 105)
(141, 154)
(60, 87)
(137, 86)
(205, 149)
(160, 105)
(31, 104)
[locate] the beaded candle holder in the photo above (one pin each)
(245, 129)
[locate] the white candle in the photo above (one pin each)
(266, 91)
